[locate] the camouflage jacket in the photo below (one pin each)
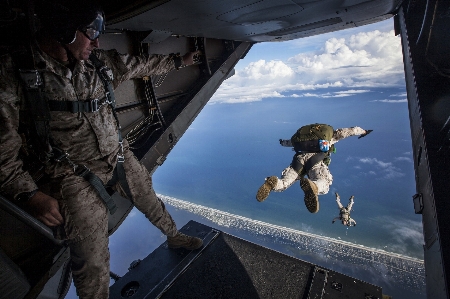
(89, 138)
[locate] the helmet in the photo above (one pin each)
(61, 19)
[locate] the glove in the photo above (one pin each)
(281, 141)
(367, 133)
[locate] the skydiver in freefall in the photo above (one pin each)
(344, 212)
(313, 145)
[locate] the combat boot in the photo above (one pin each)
(264, 190)
(181, 240)
(311, 194)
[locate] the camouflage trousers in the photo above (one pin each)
(319, 174)
(86, 224)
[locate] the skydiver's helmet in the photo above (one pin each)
(61, 19)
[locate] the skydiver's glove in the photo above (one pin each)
(367, 133)
(281, 141)
(332, 221)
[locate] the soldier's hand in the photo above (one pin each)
(281, 141)
(46, 209)
(191, 57)
(365, 133)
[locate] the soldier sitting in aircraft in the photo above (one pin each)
(67, 104)
(344, 212)
(313, 145)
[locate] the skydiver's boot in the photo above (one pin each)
(264, 190)
(311, 194)
(181, 240)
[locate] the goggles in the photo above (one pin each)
(94, 29)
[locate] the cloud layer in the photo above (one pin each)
(379, 169)
(358, 62)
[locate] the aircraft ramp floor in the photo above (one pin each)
(229, 267)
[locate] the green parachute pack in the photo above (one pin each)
(306, 139)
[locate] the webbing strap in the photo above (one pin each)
(98, 186)
(296, 164)
(314, 160)
(106, 77)
(307, 146)
(40, 116)
(32, 83)
(119, 176)
(303, 169)
(76, 106)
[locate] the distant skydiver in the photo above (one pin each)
(313, 145)
(344, 212)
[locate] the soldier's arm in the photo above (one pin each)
(336, 218)
(127, 67)
(13, 179)
(346, 132)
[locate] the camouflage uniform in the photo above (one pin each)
(344, 212)
(90, 139)
(319, 173)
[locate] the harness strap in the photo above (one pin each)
(296, 164)
(119, 176)
(84, 172)
(314, 160)
(307, 146)
(106, 76)
(34, 98)
(95, 181)
(38, 110)
(77, 106)
(303, 169)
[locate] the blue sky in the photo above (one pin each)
(358, 59)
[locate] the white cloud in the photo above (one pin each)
(266, 71)
(401, 94)
(352, 91)
(388, 170)
(367, 56)
(359, 61)
(405, 232)
(391, 101)
(403, 159)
